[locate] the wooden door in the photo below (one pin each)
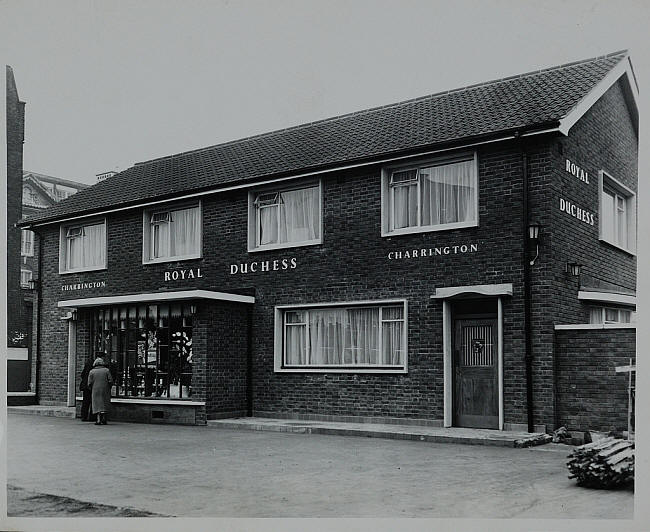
(476, 401)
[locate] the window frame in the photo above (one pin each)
(609, 183)
(387, 202)
(147, 224)
(63, 247)
(603, 312)
(30, 252)
(31, 276)
(253, 218)
(279, 338)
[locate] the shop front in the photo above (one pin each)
(163, 351)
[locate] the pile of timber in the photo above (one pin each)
(605, 463)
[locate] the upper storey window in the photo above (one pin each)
(617, 213)
(430, 196)
(172, 234)
(284, 218)
(82, 247)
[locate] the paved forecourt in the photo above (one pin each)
(198, 471)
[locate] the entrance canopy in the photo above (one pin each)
(156, 296)
(504, 289)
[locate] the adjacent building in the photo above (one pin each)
(463, 259)
(39, 191)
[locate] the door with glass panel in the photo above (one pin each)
(476, 402)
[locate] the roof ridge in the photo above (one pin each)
(380, 107)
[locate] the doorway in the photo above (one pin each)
(475, 366)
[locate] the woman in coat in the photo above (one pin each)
(86, 414)
(100, 382)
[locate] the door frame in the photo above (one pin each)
(448, 363)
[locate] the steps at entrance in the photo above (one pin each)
(377, 430)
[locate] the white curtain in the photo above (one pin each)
(341, 336)
(268, 219)
(299, 220)
(74, 253)
(621, 221)
(93, 246)
(607, 214)
(596, 315)
(447, 193)
(405, 205)
(326, 330)
(393, 346)
(159, 240)
(186, 231)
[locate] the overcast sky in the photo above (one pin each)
(108, 84)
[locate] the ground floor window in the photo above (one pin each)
(148, 348)
(372, 336)
(611, 315)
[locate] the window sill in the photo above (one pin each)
(163, 260)
(81, 270)
(617, 246)
(142, 401)
(287, 245)
(429, 228)
(375, 370)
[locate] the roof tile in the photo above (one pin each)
(527, 101)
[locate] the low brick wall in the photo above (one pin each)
(590, 395)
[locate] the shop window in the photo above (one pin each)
(617, 213)
(430, 196)
(284, 218)
(349, 337)
(82, 247)
(27, 243)
(25, 277)
(148, 348)
(172, 234)
(609, 315)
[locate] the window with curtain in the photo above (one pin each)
(617, 214)
(27, 243)
(431, 196)
(611, 315)
(83, 247)
(173, 234)
(345, 337)
(286, 217)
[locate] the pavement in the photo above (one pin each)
(194, 471)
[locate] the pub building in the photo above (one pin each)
(464, 259)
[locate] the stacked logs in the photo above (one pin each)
(606, 463)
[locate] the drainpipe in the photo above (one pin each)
(39, 310)
(528, 357)
(249, 365)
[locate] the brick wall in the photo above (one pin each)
(352, 265)
(16, 327)
(590, 394)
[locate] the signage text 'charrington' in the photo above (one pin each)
(432, 252)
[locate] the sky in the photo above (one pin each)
(111, 83)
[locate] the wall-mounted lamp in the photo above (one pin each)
(32, 284)
(193, 308)
(74, 315)
(533, 235)
(573, 268)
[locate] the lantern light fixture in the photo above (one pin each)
(533, 235)
(573, 268)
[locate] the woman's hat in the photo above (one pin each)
(99, 361)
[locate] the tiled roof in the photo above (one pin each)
(530, 101)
